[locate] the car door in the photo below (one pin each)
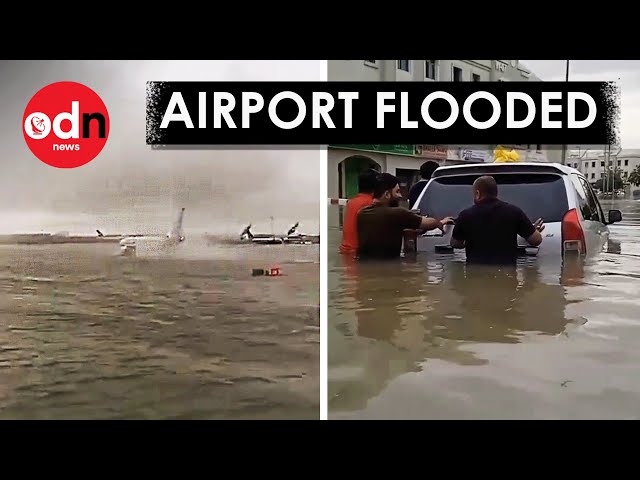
(598, 219)
(591, 224)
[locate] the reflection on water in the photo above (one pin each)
(435, 338)
(87, 334)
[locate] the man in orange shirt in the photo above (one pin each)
(366, 185)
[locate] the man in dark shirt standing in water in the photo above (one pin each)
(381, 225)
(426, 170)
(489, 230)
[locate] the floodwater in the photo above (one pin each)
(431, 339)
(85, 333)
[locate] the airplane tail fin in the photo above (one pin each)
(293, 229)
(246, 233)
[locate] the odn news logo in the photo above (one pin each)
(66, 124)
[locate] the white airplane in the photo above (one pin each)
(130, 245)
(299, 238)
(291, 237)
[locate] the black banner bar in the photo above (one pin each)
(265, 113)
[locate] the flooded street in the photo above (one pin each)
(85, 333)
(431, 338)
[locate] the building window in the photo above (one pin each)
(593, 164)
(403, 65)
(430, 70)
(593, 175)
(626, 163)
(602, 164)
(475, 77)
(619, 161)
(456, 74)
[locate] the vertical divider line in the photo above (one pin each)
(324, 324)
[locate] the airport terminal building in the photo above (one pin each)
(346, 161)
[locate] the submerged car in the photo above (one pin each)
(560, 195)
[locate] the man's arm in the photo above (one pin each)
(412, 221)
(530, 231)
(458, 236)
(429, 223)
(535, 239)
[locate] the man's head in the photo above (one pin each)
(484, 188)
(387, 190)
(367, 181)
(427, 169)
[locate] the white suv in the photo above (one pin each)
(561, 196)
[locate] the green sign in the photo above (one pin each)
(392, 149)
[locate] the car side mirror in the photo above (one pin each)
(615, 216)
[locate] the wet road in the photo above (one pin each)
(432, 339)
(88, 334)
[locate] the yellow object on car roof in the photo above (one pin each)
(501, 155)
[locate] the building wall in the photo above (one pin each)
(509, 71)
(354, 70)
(374, 70)
(482, 68)
(388, 70)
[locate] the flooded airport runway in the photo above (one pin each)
(85, 333)
(432, 339)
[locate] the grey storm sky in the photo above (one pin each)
(625, 72)
(128, 185)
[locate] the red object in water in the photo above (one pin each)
(274, 272)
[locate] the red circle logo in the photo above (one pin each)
(66, 124)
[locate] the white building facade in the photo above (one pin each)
(593, 163)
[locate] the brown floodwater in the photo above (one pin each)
(431, 338)
(87, 334)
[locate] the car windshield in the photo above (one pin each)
(538, 195)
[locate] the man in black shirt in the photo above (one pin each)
(489, 230)
(426, 170)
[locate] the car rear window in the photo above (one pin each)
(538, 195)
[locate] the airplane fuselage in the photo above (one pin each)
(131, 245)
(154, 243)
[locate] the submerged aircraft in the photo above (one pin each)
(130, 245)
(291, 237)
